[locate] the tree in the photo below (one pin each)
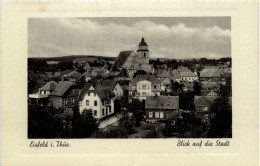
(43, 122)
(137, 107)
(187, 100)
(221, 125)
(196, 88)
(139, 72)
(84, 124)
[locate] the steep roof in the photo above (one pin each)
(106, 84)
(150, 78)
(62, 88)
(162, 73)
(122, 58)
(162, 102)
(209, 99)
(49, 86)
(84, 90)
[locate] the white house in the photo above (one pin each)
(101, 102)
(144, 85)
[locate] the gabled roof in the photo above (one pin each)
(162, 73)
(211, 72)
(166, 81)
(207, 99)
(106, 85)
(150, 78)
(162, 102)
(49, 86)
(62, 87)
(187, 74)
(84, 90)
(122, 58)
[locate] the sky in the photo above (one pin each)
(167, 37)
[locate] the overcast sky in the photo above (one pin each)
(172, 37)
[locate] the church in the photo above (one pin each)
(132, 61)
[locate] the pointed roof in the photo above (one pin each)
(49, 86)
(84, 90)
(142, 43)
(62, 87)
(150, 78)
(122, 58)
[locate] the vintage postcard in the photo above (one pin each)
(129, 83)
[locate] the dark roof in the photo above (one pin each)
(49, 86)
(122, 57)
(150, 78)
(62, 87)
(162, 102)
(93, 64)
(106, 84)
(84, 90)
(104, 94)
(142, 43)
(210, 99)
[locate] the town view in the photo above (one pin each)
(132, 94)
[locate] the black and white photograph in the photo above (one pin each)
(129, 77)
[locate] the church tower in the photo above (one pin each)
(143, 53)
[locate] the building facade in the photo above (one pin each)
(100, 102)
(144, 85)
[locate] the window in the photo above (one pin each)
(95, 103)
(154, 86)
(148, 86)
(80, 103)
(72, 100)
(143, 93)
(95, 94)
(95, 112)
(144, 87)
(150, 114)
(206, 117)
(103, 102)
(103, 111)
(88, 94)
(161, 115)
(87, 102)
(139, 86)
(109, 108)
(133, 86)
(205, 109)
(173, 123)
(156, 114)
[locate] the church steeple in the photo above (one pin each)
(142, 46)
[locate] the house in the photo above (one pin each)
(90, 75)
(161, 108)
(210, 73)
(41, 97)
(101, 102)
(175, 75)
(188, 76)
(111, 85)
(90, 66)
(53, 75)
(70, 75)
(65, 95)
(161, 74)
(166, 85)
(48, 87)
(144, 85)
(207, 87)
(203, 106)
